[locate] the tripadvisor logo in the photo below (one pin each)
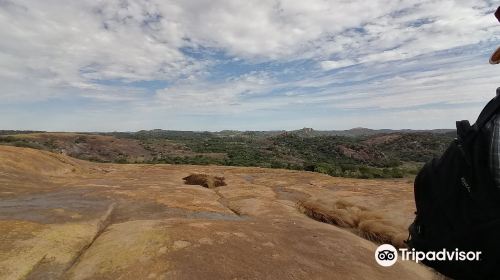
(387, 255)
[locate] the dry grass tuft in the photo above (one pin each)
(204, 180)
(362, 221)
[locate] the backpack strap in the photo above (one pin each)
(463, 128)
(466, 133)
(488, 112)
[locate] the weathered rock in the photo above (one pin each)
(62, 218)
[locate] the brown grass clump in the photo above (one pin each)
(362, 221)
(335, 216)
(204, 180)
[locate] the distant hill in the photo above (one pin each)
(360, 131)
(12, 132)
(357, 152)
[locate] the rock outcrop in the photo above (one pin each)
(62, 218)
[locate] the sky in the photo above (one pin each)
(210, 65)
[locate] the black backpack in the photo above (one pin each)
(458, 204)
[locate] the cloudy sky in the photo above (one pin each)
(250, 65)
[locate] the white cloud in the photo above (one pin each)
(74, 42)
(333, 64)
(58, 49)
(61, 44)
(220, 97)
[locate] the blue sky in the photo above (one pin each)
(247, 65)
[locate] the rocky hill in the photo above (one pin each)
(381, 155)
(63, 218)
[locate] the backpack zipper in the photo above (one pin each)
(465, 184)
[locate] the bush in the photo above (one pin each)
(121, 160)
(322, 168)
(8, 139)
(28, 145)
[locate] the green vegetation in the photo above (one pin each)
(383, 155)
(366, 156)
(17, 142)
